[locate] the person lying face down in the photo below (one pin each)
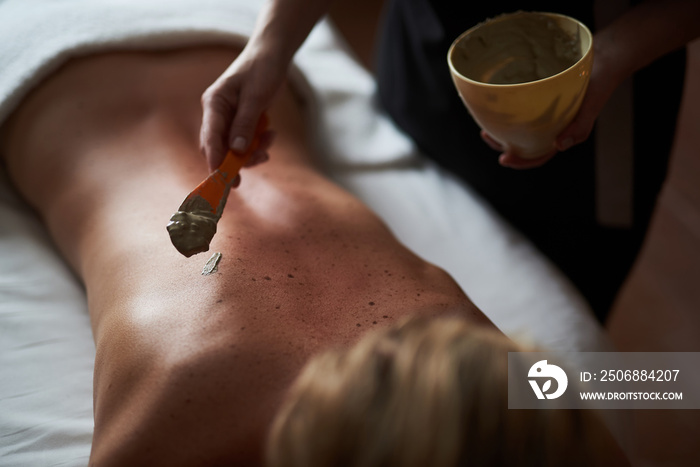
(190, 370)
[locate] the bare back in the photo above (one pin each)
(191, 368)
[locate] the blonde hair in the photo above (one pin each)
(430, 392)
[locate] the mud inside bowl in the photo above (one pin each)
(517, 48)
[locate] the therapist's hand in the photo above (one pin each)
(233, 104)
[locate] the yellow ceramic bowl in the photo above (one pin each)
(523, 76)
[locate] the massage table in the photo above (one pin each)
(46, 347)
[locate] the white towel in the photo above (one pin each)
(38, 36)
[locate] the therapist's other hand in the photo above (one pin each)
(577, 132)
(233, 104)
(508, 159)
(604, 81)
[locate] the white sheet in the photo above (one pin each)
(46, 349)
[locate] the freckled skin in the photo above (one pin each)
(190, 368)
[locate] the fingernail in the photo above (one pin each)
(239, 144)
(566, 144)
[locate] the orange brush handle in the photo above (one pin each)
(218, 184)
